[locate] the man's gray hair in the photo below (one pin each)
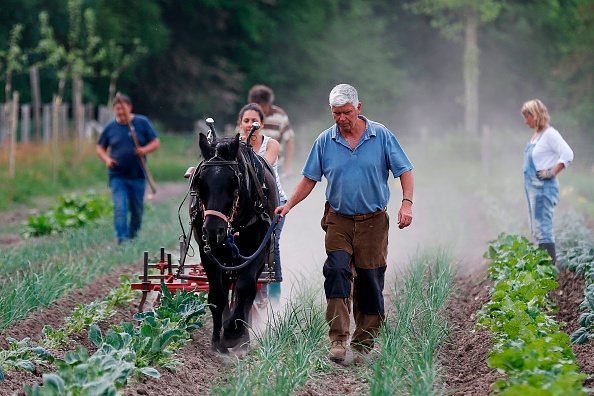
(343, 94)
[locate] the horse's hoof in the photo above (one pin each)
(230, 342)
(219, 348)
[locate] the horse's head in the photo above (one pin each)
(217, 184)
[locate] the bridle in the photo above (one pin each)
(228, 219)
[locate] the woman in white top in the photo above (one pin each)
(269, 149)
(545, 156)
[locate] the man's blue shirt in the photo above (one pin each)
(357, 179)
(117, 136)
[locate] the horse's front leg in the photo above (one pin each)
(218, 300)
(235, 329)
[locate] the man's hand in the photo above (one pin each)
(140, 151)
(405, 214)
(545, 174)
(282, 211)
(110, 162)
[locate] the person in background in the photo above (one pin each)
(356, 156)
(545, 156)
(127, 179)
(276, 126)
(268, 148)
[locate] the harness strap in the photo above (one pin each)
(250, 168)
(216, 213)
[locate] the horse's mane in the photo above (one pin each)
(231, 149)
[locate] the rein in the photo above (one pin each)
(235, 250)
(228, 219)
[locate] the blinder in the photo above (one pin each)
(195, 191)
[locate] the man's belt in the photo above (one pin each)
(359, 217)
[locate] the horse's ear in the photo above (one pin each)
(234, 148)
(205, 147)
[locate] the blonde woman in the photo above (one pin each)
(545, 156)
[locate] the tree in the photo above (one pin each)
(575, 69)
(115, 59)
(76, 58)
(452, 17)
(13, 60)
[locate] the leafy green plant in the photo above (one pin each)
(85, 315)
(71, 211)
(123, 294)
(586, 331)
(125, 350)
(81, 374)
(576, 253)
(124, 345)
(54, 338)
(20, 355)
(183, 307)
(528, 344)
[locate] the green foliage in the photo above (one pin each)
(528, 345)
(185, 308)
(84, 315)
(75, 56)
(12, 60)
(576, 253)
(409, 340)
(81, 374)
(71, 211)
(124, 351)
(448, 15)
(123, 294)
(37, 273)
(295, 337)
(21, 356)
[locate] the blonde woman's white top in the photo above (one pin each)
(551, 149)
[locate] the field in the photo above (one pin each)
(459, 207)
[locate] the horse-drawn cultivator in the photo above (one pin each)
(194, 280)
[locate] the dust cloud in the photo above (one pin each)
(468, 190)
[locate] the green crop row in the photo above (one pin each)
(575, 247)
(123, 351)
(527, 343)
(21, 355)
(71, 211)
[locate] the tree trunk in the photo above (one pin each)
(14, 111)
(36, 102)
(78, 111)
(55, 138)
(112, 87)
(471, 70)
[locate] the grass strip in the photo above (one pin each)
(41, 277)
(408, 341)
(294, 336)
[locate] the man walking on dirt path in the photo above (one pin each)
(276, 125)
(127, 172)
(355, 155)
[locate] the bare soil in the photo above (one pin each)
(463, 358)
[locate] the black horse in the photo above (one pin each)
(234, 195)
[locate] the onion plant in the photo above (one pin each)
(290, 349)
(37, 274)
(406, 361)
